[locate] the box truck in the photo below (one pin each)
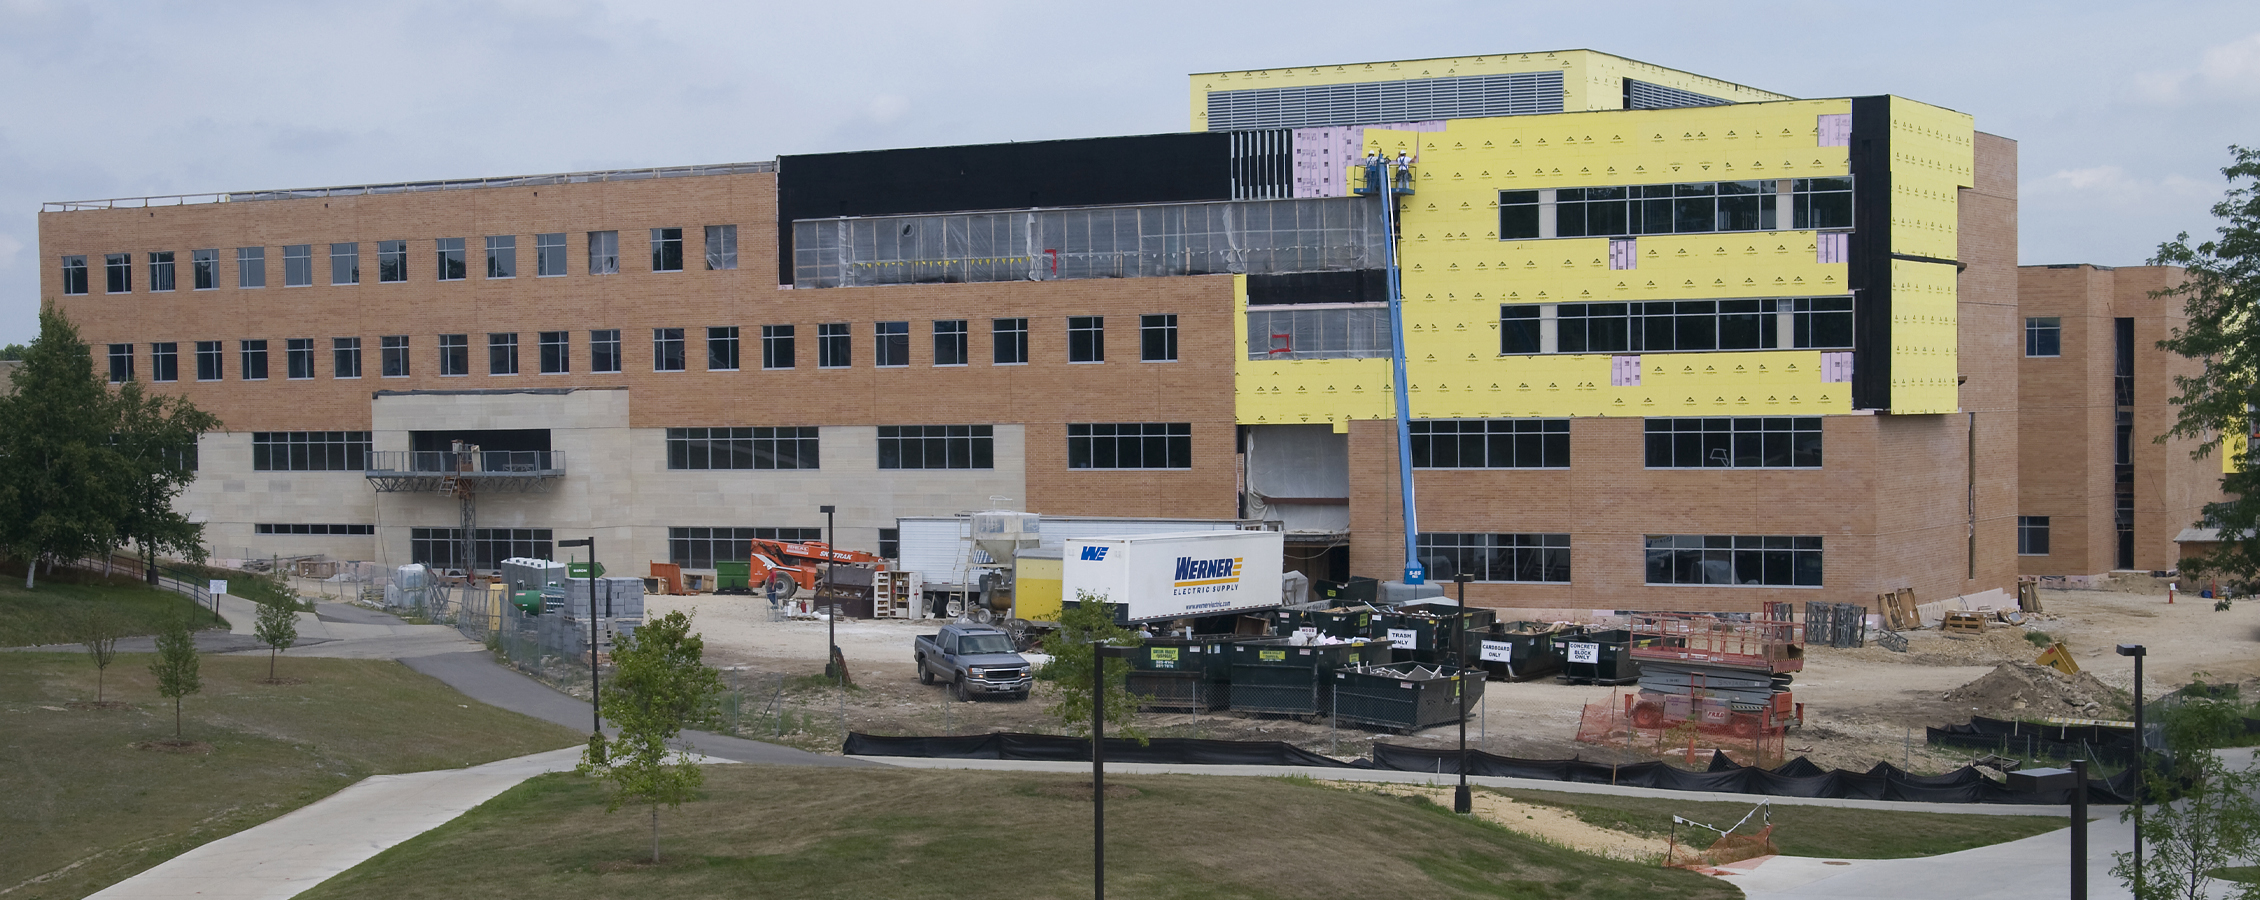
(1158, 577)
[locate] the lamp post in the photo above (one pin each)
(2141, 756)
(831, 613)
(596, 717)
(1100, 653)
(1462, 801)
(2033, 781)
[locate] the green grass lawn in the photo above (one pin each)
(50, 614)
(85, 808)
(865, 833)
(1823, 831)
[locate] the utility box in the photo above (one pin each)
(1157, 577)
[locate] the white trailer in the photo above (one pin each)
(1158, 577)
(941, 550)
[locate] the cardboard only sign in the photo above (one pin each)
(1174, 576)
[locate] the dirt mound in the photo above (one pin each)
(2015, 689)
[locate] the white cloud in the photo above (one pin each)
(10, 248)
(2222, 71)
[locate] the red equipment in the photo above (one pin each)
(789, 566)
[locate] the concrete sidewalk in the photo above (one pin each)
(305, 847)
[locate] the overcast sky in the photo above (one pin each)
(2124, 110)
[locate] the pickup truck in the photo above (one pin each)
(976, 660)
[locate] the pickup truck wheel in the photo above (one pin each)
(925, 675)
(959, 687)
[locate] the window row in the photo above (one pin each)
(1744, 560)
(701, 548)
(551, 352)
(1675, 559)
(1802, 323)
(1542, 558)
(305, 528)
(1735, 443)
(1132, 445)
(442, 548)
(1703, 207)
(451, 261)
(309, 451)
(1739, 442)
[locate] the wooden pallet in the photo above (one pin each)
(1963, 623)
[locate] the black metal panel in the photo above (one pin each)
(1153, 168)
(1869, 264)
(1358, 286)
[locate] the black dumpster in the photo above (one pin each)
(1517, 651)
(1183, 673)
(1343, 593)
(1347, 622)
(1593, 655)
(1405, 696)
(1423, 632)
(1276, 675)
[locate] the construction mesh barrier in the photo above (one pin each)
(1751, 738)
(2027, 740)
(1796, 778)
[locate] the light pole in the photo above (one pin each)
(596, 717)
(1462, 801)
(2141, 756)
(1099, 655)
(831, 613)
(2033, 781)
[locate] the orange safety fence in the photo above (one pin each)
(1727, 849)
(1692, 736)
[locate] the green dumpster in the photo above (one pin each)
(1277, 675)
(1405, 696)
(1183, 673)
(733, 577)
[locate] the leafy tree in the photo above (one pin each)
(98, 631)
(2219, 294)
(2214, 822)
(176, 665)
(13, 352)
(658, 684)
(156, 447)
(58, 470)
(277, 628)
(1081, 627)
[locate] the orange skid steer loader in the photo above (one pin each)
(789, 567)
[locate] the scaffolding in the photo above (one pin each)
(1772, 641)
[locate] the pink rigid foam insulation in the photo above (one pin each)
(1833, 247)
(1322, 156)
(1624, 371)
(1624, 254)
(1836, 368)
(1835, 130)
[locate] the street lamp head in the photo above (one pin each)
(2133, 650)
(576, 542)
(1464, 577)
(824, 509)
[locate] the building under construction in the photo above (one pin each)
(1667, 342)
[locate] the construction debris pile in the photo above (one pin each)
(2026, 690)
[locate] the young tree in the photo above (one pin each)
(176, 665)
(155, 443)
(277, 628)
(1090, 622)
(59, 492)
(658, 684)
(2221, 290)
(2214, 820)
(98, 631)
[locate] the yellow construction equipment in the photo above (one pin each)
(2058, 657)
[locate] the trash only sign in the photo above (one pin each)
(1584, 653)
(1404, 638)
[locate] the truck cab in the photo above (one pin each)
(976, 660)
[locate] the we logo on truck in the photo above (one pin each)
(1214, 574)
(1094, 554)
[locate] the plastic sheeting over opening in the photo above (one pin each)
(1232, 237)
